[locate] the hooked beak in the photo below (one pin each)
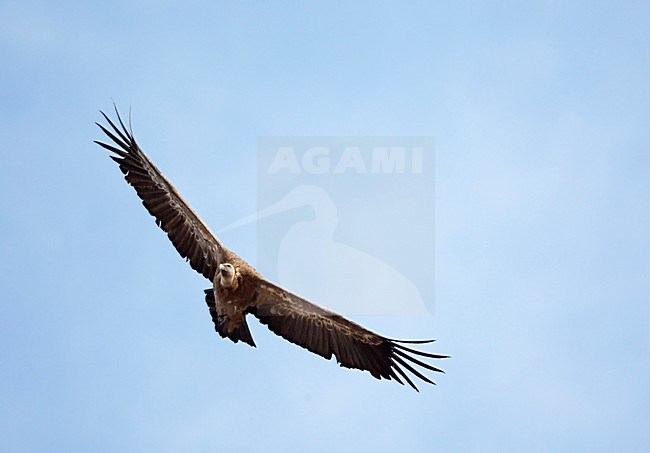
(226, 269)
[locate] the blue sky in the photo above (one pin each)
(539, 114)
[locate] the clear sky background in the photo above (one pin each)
(540, 115)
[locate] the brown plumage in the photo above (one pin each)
(239, 290)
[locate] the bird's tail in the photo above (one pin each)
(241, 333)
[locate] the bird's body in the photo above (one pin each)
(229, 300)
(239, 290)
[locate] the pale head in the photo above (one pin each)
(227, 275)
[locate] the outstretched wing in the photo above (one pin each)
(326, 333)
(190, 236)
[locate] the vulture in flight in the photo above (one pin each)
(238, 289)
